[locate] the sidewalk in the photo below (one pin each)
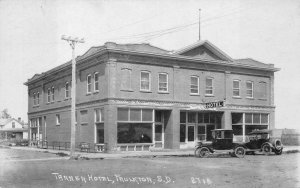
(144, 154)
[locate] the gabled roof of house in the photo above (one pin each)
(147, 49)
(5, 121)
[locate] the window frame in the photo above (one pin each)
(49, 95)
(101, 115)
(149, 80)
(247, 89)
(96, 82)
(52, 94)
(67, 90)
(57, 119)
(236, 89)
(207, 88)
(198, 80)
(88, 84)
(34, 99)
(167, 82)
(263, 87)
(124, 79)
(38, 99)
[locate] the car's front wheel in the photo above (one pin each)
(239, 152)
(202, 152)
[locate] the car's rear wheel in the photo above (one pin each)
(266, 149)
(239, 152)
(202, 152)
(278, 152)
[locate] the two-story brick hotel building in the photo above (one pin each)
(136, 96)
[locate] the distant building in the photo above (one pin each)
(13, 129)
(136, 96)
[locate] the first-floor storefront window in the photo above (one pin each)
(134, 133)
(249, 122)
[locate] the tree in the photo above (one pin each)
(5, 114)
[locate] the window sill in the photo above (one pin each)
(127, 90)
(250, 98)
(237, 97)
(163, 92)
(57, 124)
(84, 124)
(88, 94)
(194, 94)
(263, 99)
(66, 99)
(37, 106)
(208, 95)
(96, 92)
(144, 91)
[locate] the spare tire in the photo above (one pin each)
(278, 144)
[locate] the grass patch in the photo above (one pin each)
(62, 154)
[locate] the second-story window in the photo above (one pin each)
(96, 81)
(13, 125)
(48, 95)
(52, 94)
(145, 81)
(209, 86)
(126, 79)
(249, 87)
(89, 84)
(67, 90)
(262, 90)
(38, 98)
(194, 90)
(163, 82)
(34, 99)
(236, 88)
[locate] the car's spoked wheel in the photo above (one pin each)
(239, 152)
(278, 152)
(202, 152)
(266, 149)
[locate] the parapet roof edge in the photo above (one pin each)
(161, 55)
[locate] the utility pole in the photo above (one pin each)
(199, 24)
(72, 41)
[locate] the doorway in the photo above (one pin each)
(159, 129)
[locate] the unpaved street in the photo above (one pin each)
(36, 169)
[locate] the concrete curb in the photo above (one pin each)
(116, 155)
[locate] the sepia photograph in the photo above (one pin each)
(152, 93)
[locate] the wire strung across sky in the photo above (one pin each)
(143, 37)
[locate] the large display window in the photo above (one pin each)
(244, 123)
(135, 125)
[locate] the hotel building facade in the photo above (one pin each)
(136, 96)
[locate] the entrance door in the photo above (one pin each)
(209, 128)
(201, 133)
(191, 133)
(159, 135)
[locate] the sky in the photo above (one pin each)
(31, 30)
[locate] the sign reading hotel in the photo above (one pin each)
(214, 104)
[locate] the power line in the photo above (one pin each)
(159, 33)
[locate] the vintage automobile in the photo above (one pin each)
(222, 140)
(259, 140)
